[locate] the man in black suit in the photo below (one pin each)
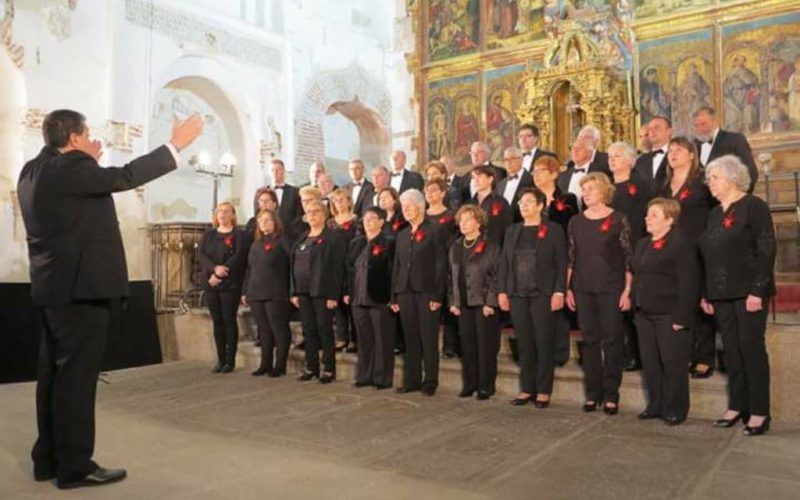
(401, 179)
(517, 179)
(455, 184)
(599, 162)
(581, 161)
(528, 138)
(359, 187)
(288, 196)
(713, 142)
(380, 180)
(78, 269)
(479, 153)
(652, 167)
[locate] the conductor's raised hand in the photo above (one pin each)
(95, 149)
(186, 131)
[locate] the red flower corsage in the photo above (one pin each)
(445, 219)
(268, 246)
(320, 241)
(560, 205)
(659, 244)
(347, 225)
(396, 225)
(684, 194)
(542, 232)
(229, 241)
(480, 247)
(418, 235)
(605, 226)
(729, 220)
(632, 190)
(497, 207)
(377, 250)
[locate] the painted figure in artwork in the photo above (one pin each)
(693, 93)
(441, 141)
(504, 17)
(654, 102)
(794, 96)
(500, 119)
(742, 97)
(466, 126)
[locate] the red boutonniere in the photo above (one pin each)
(480, 247)
(632, 190)
(320, 241)
(684, 194)
(605, 226)
(268, 246)
(377, 250)
(729, 220)
(347, 225)
(497, 207)
(418, 235)
(445, 219)
(396, 225)
(659, 244)
(542, 232)
(560, 205)
(229, 241)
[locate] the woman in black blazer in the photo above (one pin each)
(368, 291)
(665, 294)
(221, 256)
(316, 285)
(472, 295)
(738, 248)
(419, 283)
(494, 205)
(345, 222)
(266, 291)
(531, 284)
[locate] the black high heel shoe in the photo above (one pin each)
(589, 406)
(262, 370)
(610, 410)
(724, 423)
(757, 431)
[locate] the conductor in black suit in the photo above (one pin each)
(289, 209)
(402, 179)
(652, 167)
(359, 187)
(77, 267)
(528, 140)
(713, 142)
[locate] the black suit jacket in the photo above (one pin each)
(420, 261)
(327, 265)
(643, 169)
(538, 154)
(379, 267)
(480, 273)
(455, 193)
(364, 199)
(411, 180)
(599, 164)
(500, 216)
(289, 208)
(525, 180)
(732, 143)
(551, 260)
(74, 243)
(666, 277)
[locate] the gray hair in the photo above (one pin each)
(592, 133)
(626, 148)
(482, 146)
(413, 196)
(731, 167)
(513, 152)
(381, 167)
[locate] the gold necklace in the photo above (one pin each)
(473, 242)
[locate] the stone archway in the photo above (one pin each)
(358, 97)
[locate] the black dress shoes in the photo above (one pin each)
(724, 423)
(263, 370)
(673, 420)
(541, 404)
(589, 406)
(483, 395)
(757, 431)
(99, 477)
(429, 391)
(520, 401)
(226, 369)
(648, 415)
(217, 368)
(276, 373)
(42, 473)
(359, 385)
(406, 390)
(610, 410)
(466, 394)
(306, 376)
(327, 379)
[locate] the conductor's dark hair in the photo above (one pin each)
(58, 125)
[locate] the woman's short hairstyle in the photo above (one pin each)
(628, 150)
(438, 166)
(311, 191)
(273, 215)
(732, 168)
(549, 162)
(378, 211)
(476, 212)
(603, 184)
(414, 196)
(317, 204)
(393, 193)
(688, 145)
(538, 195)
(440, 183)
(214, 220)
(340, 193)
(484, 170)
(669, 207)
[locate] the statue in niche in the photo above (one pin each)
(273, 139)
(741, 96)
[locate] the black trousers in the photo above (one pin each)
(318, 333)
(375, 327)
(70, 358)
(745, 355)
(562, 328)
(223, 306)
(535, 327)
(272, 318)
(480, 343)
(345, 330)
(704, 347)
(665, 355)
(603, 334)
(421, 330)
(450, 338)
(631, 351)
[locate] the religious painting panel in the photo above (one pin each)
(654, 8)
(453, 28)
(512, 22)
(503, 95)
(676, 78)
(761, 75)
(453, 117)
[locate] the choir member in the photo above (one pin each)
(316, 284)
(495, 206)
(738, 249)
(265, 199)
(343, 221)
(389, 202)
(531, 284)
(419, 283)
(368, 292)
(221, 256)
(599, 278)
(472, 295)
(266, 291)
(665, 295)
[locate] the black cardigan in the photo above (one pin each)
(267, 276)
(379, 267)
(420, 261)
(327, 265)
(228, 250)
(551, 260)
(480, 274)
(666, 277)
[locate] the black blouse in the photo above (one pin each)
(738, 249)
(394, 225)
(696, 203)
(631, 198)
(223, 249)
(500, 216)
(600, 253)
(445, 221)
(267, 276)
(563, 207)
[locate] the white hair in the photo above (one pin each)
(513, 151)
(592, 133)
(732, 168)
(626, 148)
(413, 196)
(482, 146)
